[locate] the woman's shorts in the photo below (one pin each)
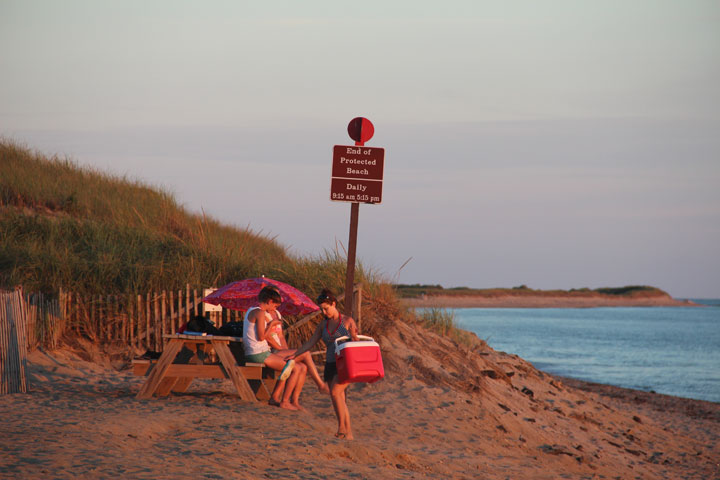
(330, 371)
(257, 357)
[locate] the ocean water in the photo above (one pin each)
(671, 350)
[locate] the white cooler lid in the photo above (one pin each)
(360, 343)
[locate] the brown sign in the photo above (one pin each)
(357, 174)
(358, 162)
(353, 190)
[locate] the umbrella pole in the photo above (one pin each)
(352, 246)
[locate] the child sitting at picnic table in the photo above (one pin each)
(257, 350)
(279, 345)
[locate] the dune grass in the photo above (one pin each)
(439, 320)
(443, 322)
(73, 227)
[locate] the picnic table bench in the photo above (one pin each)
(186, 357)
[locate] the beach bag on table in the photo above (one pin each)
(358, 361)
(231, 329)
(200, 324)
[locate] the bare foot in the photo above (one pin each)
(324, 388)
(287, 406)
(344, 436)
(299, 407)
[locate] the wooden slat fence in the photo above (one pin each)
(137, 320)
(13, 343)
(45, 321)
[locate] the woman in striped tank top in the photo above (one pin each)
(333, 326)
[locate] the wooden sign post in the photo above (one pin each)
(357, 175)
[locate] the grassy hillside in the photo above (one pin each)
(414, 291)
(77, 228)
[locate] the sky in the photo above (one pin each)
(554, 144)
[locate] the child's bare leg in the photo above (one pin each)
(277, 392)
(289, 387)
(306, 359)
(302, 374)
(276, 362)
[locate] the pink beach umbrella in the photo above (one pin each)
(242, 295)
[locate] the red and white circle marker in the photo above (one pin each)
(361, 130)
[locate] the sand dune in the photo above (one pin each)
(443, 411)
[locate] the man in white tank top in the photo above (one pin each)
(256, 329)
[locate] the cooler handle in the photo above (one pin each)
(345, 337)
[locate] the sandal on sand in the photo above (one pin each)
(287, 370)
(273, 402)
(341, 436)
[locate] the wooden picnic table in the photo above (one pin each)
(174, 372)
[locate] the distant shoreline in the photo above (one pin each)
(542, 301)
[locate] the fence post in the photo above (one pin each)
(31, 312)
(156, 314)
(131, 322)
(172, 312)
(139, 318)
(51, 312)
(179, 309)
(187, 302)
(117, 318)
(147, 321)
(163, 318)
(108, 318)
(99, 326)
(68, 312)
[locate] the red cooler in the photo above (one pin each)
(358, 361)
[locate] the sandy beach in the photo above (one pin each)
(443, 411)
